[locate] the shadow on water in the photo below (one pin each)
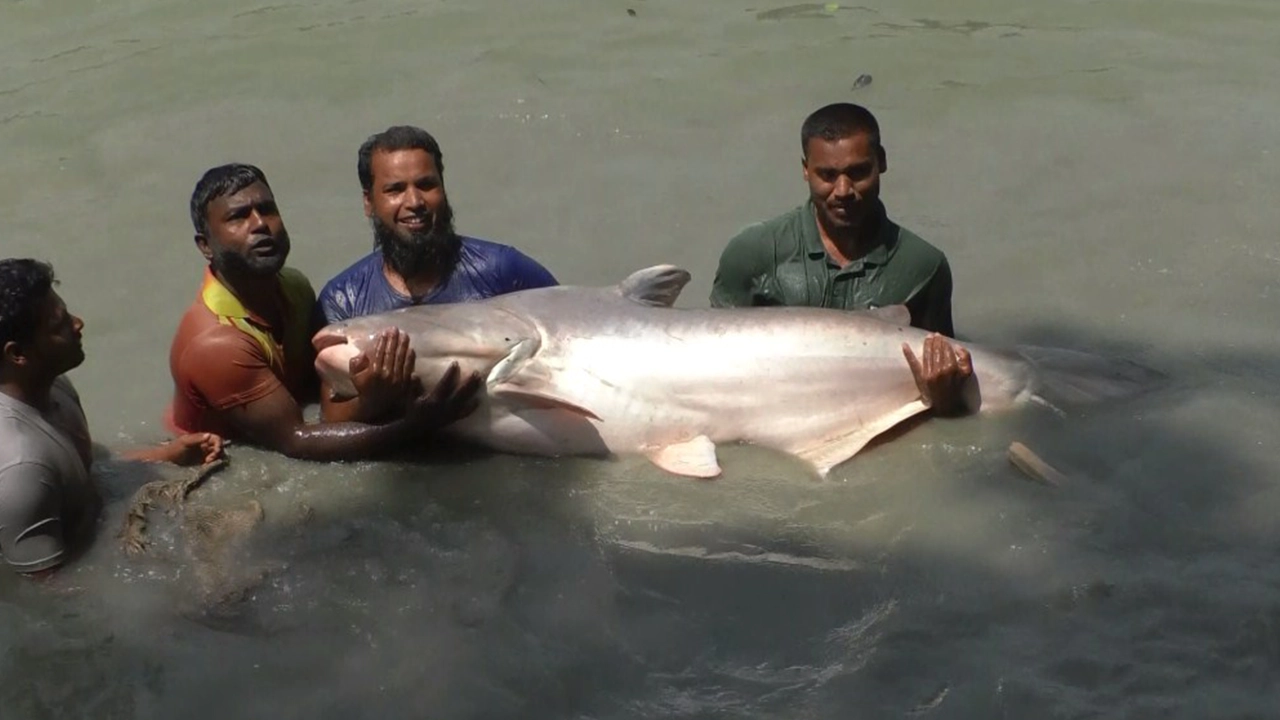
(923, 579)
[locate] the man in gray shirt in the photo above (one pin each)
(49, 503)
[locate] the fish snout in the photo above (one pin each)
(328, 337)
(334, 353)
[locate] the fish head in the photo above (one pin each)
(476, 336)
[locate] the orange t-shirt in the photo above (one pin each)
(224, 356)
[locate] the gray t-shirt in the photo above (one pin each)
(45, 487)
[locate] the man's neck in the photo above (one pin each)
(415, 286)
(846, 245)
(257, 293)
(34, 393)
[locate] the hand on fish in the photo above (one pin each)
(383, 376)
(941, 373)
(453, 398)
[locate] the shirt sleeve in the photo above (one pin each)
(31, 532)
(332, 305)
(931, 307)
(524, 273)
(227, 370)
(737, 273)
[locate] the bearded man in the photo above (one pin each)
(418, 257)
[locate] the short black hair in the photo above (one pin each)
(838, 121)
(219, 181)
(24, 284)
(397, 137)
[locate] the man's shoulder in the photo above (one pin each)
(347, 294)
(916, 251)
(22, 443)
(505, 267)
(490, 255)
(297, 286)
(201, 337)
(786, 228)
(357, 273)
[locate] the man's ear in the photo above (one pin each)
(12, 354)
(368, 204)
(883, 158)
(804, 167)
(202, 243)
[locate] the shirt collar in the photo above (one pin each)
(224, 303)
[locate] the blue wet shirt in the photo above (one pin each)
(484, 269)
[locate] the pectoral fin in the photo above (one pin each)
(832, 451)
(691, 458)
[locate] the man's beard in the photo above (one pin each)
(228, 263)
(426, 253)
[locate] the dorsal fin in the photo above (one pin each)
(893, 314)
(659, 285)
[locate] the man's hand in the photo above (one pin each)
(451, 399)
(942, 375)
(383, 376)
(193, 449)
(189, 449)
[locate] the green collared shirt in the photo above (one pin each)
(783, 262)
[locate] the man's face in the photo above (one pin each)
(246, 233)
(407, 197)
(844, 179)
(56, 346)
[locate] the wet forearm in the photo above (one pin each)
(346, 411)
(346, 440)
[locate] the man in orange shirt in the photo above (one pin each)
(242, 360)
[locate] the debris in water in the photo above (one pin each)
(631, 12)
(1035, 468)
(932, 702)
(166, 493)
(862, 81)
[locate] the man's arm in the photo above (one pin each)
(189, 449)
(31, 534)
(737, 272)
(931, 307)
(275, 422)
(524, 273)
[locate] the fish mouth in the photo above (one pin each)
(327, 339)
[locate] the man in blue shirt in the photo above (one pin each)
(418, 257)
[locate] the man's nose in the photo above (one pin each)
(258, 220)
(844, 187)
(77, 323)
(414, 198)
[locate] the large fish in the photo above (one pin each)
(600, 371)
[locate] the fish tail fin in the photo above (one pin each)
(1069, 377)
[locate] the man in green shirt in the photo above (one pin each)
(840, 250)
